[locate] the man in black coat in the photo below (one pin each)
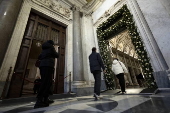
(47, 61)
(96, 64)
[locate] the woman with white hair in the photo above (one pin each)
(119, 69)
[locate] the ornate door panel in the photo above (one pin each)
(19, 71)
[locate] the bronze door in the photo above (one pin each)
(19, 71)
(38, 29)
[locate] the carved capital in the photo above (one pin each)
(107, 13)
(89, 14)
(75, 8)
(70, 21)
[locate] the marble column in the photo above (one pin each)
(9, 10)
(77, 48)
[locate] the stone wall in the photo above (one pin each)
(156, 13)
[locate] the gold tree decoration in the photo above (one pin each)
(119, 21)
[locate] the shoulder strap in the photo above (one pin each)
(121, 66)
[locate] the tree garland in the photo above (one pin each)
(109, 28)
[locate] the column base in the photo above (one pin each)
(162, 79)
(162, 90)
(83, 89)
(79, 83)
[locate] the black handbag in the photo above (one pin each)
(37, 63)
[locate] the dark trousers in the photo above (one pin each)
(46, 82)
(97, 84)
(121, 81)
(36, 88)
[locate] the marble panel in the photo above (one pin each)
(84, 91)
(162, 79)
(158, 19)
(155, 105)
(105, 107)
(166, 4)
(9, 11)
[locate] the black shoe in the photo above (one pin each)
(50, 101)
(40, 104)
(124, 92)
(119, 91)
(96, 97)
(47, 100)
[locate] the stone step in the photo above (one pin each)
(162, 90)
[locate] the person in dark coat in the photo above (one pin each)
(47, 61)
(96, 64)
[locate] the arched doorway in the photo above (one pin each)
(114, 25)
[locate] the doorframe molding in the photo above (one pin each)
(17, 36)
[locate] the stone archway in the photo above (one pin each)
(115, 24)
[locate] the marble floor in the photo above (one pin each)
(109, 103)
